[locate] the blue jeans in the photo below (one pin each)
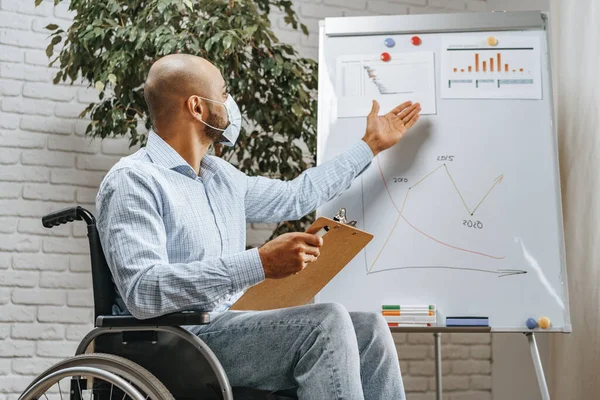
(322, 349)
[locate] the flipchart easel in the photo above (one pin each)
(400, 27)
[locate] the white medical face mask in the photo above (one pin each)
(232, 131)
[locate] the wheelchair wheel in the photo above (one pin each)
(96, 376)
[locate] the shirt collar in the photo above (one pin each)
(208, 167)
(163, 154)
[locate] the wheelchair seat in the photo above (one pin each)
(176, 357)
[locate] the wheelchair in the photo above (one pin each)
(139, 359)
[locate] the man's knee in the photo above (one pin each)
(370, 319)
(372, 329)
(334, 319)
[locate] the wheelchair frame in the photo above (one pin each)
(105, 323)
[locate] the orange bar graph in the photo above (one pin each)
(495, 65)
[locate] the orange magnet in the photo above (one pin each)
(544, 323)
(385, 57)
(492, 41)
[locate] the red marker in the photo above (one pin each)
(385, 57)
(416, 41)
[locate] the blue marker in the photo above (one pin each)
(467, 321)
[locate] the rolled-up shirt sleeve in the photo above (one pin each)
(134, 240)
(272, 200)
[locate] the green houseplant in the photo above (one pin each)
(111, 45)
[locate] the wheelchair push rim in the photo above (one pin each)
(42, 385)
(106, 367)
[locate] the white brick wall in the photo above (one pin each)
(46, 163)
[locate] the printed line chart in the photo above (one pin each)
(360, 78)
(443, 168)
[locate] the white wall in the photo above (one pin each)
(575, 358)
(46, 163)
(518, 5)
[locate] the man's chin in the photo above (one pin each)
(219, 139)
(214, 136)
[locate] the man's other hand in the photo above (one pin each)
(384, 131)
(289, 253)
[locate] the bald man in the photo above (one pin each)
(172, 222)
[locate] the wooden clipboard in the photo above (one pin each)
(340, 245)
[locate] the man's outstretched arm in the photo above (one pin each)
(272, 200)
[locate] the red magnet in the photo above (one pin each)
(385, 57)
(416, 40)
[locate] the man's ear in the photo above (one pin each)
(194, 107)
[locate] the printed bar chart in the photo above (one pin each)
(497, 61)
(473, 69)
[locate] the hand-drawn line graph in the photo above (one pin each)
(496, 182)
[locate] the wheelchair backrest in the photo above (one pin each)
(104, 289)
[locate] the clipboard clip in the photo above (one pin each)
(340, 217)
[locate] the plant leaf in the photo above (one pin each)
(99, 86)
(52, 27)
(297, 110)
(227, 42)
(304, 29)
(57, 77)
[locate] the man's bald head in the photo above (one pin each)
(173, 79)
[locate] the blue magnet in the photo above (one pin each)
(531, 323)
(389, 42)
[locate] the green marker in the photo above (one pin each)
(408, 308)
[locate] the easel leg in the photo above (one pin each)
(537, 364)
(437, 337)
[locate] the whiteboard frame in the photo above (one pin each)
(434, 23)
(451, 23)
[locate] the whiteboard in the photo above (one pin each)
(465, 210)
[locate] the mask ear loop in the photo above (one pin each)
(214, 127)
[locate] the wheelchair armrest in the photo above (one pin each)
(174, 319)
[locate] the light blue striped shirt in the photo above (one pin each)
(176, 241)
